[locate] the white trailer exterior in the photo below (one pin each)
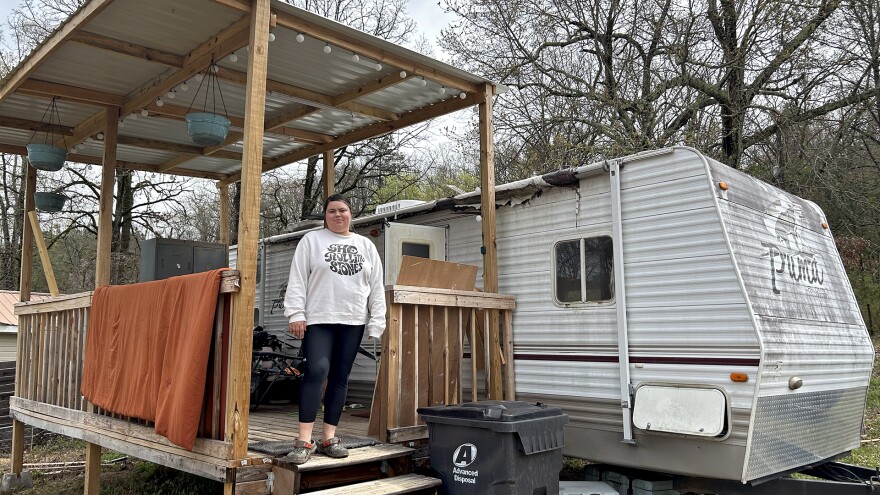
(646, 291)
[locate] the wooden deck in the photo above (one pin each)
(279, 422)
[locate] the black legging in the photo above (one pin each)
(329, 350)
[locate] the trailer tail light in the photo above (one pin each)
(722, 185)
(739, 377)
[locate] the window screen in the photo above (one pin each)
(584, 270)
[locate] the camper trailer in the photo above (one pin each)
(689, 318)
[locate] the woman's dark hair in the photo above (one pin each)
(337, 197)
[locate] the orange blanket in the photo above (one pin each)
(147, 351)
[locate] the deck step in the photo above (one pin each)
(407, 483)
(360, 455)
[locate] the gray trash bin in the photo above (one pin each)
(496, 447)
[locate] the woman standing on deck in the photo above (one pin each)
(335, 292)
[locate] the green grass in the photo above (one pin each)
(132, 477)
(868, 454)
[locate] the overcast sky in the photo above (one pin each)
(430, 19)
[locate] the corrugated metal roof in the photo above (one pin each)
(127, 49)
(8, 299)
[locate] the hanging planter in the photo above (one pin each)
(47, 156)
(208, 128)
(51, 202)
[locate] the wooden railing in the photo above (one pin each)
(423, 351)
(51, 351)
(51, 345)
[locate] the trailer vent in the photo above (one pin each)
(397, 205)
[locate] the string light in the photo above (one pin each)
(214, 68)
(442, 90)
(199, 77)
(327, 48)
(403, 74)
(462, 95)
(355, 57)
(171, 94)
(271, 36)
(121, 122)
(300, 38)
(159, 102)
(378, 66)
(233, 58)
(423, 82)
(185, 87)
(145, 113)
(100, 136)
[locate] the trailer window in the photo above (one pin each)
(416, 249)
(584, 270)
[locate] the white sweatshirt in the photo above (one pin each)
(336, 279)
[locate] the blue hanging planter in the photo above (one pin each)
(49, 201)
(46, 157)
(207, 129)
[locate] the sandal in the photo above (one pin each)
(301, 452)
(333, 448)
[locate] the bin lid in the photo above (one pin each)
(493, 410)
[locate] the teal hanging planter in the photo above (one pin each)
(49, 201)
(46, 157)
(207, 129)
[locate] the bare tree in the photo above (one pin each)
(613, 77)
(11, 220)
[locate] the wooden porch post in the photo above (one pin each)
(329, 176)
(24, 287)
(490, 255)
(224, 212)
(105, 203)
(102, 264)
(239, 380)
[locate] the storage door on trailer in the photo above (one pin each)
(403, 239)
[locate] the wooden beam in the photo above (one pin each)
(105, 201)
(44, 253)
(380, 55)
(377, 129)
(224, 213)
(177, 160)
(92, 485)
(33, 125)
(25, 278)
(178, 113)
(329, 174)
(156, 144)
(309, 95)
(239, 378)
(126, 48)
(372, 87)
(328, 35)
(216, 47)
(292, 114)
(490, 249)
(302, 135)
(487, 196)
(66, 92)
(64, 32)
(142, 167)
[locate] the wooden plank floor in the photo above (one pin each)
(279, 422)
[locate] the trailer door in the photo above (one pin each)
(402, 239)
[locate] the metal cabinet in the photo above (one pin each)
(163, 258)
